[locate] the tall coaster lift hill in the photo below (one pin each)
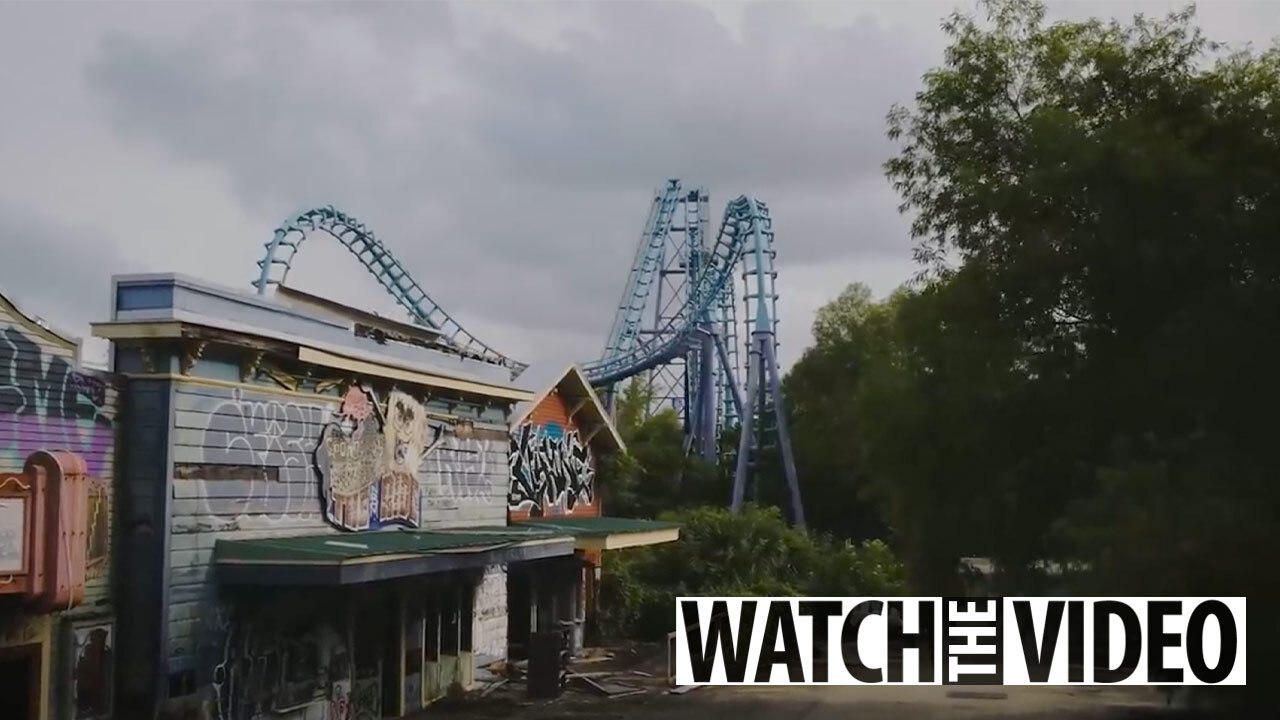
(676, 327)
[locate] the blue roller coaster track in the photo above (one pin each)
(681, 277)
(676, 329)
(378, 260)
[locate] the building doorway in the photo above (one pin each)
(20, 681)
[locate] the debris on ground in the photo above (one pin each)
(607, 686)
(622, 676)
(493, 686)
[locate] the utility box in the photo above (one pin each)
(548, 664)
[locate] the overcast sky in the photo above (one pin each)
(506, 153)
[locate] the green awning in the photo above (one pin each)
(608, 533)
(350, 558)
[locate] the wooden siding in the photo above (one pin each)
(47, 402)
(551, 415)
(243, 467)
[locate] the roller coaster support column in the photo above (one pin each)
(764, 369)
(746, 434)
(766, 346)
(707, 397)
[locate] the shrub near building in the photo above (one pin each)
(753, 553)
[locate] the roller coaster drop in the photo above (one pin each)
(676, 327)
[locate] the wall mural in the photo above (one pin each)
(551, 469)
(352, 462)
(45, 403)
(369, 461)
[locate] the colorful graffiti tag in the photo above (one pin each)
(45, 403)
(551, 469)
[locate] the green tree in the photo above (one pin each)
(655, 474)
(1087, 372)
(821, 391)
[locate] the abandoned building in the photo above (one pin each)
(318, 512)
(313, 522)
(56, 452)
(557, 443)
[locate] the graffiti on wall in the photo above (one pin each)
(550, 468)
(91, 678)
(457, 471)
(489, 634)
(366, 699)
(272, 664)
(44, 403)
(268, 433)
(406, 432)
(369, 461)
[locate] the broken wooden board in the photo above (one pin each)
(606, 688)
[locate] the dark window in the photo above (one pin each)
(181, 684)
(413, 641)
(92, 671)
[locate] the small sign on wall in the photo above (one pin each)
(13, 534)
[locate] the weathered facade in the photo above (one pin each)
(57, 440)
(558, 441)
(314, 519)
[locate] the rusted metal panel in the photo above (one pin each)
(66, 484)
(44, 536)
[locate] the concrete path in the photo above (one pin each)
(841, 703)
(903, 703)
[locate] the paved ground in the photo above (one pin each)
(644, 668)
(835, 703)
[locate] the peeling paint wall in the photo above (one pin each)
(244, 467)
(490, 633)
(48, 402)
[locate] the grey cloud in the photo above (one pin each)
(662, 87)
(512, 178)
(512, 174)
(59, 273)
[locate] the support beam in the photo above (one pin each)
(705, 425)
(747, 435)
(784, 439)
(723, 352)
(582, 402)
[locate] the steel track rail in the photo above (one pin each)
(360, 241)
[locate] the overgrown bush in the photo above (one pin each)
(753, 553)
